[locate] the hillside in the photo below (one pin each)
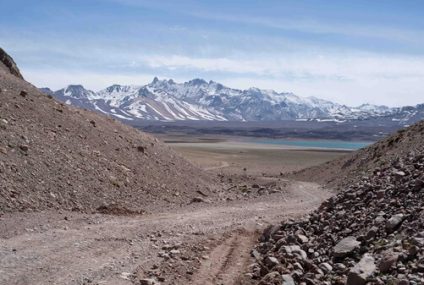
(349, 169)
(197, 99)
(371, 232)
(53, 156)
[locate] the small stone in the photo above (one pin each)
(256, 254)
(371, 233)
(141, 149)
(302, 238)
(24, 147)
(23, 93)
(380, 194)
(295, 249)
(271, 261)
(148, 281)
(326, 267)
(388, 260)
(287, 279)
(399, 173)
(198, 200)
(270, 278)
(174, 252)
(394, 222)
(340, 267)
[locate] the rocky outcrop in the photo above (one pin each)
(9, 64)
(372, 232)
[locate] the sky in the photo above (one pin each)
(350, 52)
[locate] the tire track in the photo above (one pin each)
(227, 260)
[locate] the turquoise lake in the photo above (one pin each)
(327, 144)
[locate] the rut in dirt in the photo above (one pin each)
(227, 261)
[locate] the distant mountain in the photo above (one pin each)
(197, 99)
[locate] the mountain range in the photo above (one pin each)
(197, 99)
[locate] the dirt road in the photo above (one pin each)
(198, 244)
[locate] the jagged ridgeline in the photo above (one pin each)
(197, 99)
(54, 156)
(372, 232)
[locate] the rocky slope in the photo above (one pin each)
(8, 64)
(372, 232)
(349, 169)
(197, 99)
(53, 156)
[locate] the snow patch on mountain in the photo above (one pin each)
(198, 99)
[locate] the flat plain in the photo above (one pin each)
(236, 155)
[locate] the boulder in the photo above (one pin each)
(345, 246)
(364, 269)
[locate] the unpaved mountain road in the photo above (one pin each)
(211, 243)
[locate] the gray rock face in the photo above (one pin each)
(346, 246)
(364, 269)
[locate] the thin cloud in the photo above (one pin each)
(343, 67)
(319, 27)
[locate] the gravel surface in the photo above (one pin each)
(175, 247)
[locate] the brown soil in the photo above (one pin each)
(53, 156)
(74, 248)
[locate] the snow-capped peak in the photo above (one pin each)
(198, 99)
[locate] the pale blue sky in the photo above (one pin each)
(351, 52)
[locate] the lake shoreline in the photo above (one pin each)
(234, 142)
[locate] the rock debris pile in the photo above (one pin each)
(372, 232)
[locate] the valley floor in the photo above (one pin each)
(202, 243)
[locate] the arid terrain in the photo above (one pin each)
(85, 199)
(200, 243)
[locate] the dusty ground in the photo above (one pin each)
(202, 243)
(70, 248)
(256, 159)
